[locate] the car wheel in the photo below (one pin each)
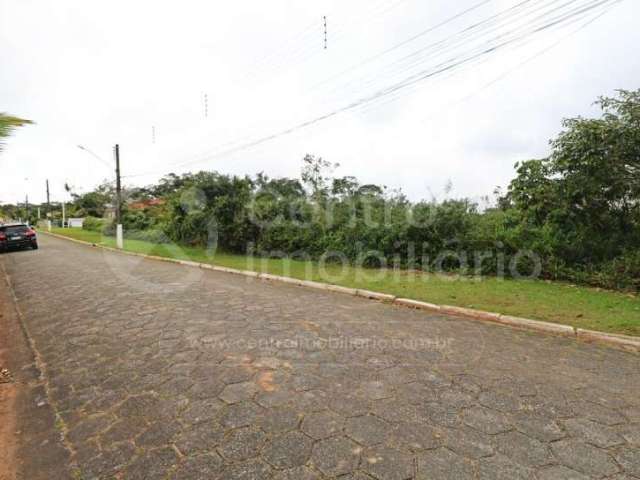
(34, 246)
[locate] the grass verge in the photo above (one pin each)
(557, 302)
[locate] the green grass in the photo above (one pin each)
(556, 302)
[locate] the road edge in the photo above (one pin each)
(622, 342)
(35, 412)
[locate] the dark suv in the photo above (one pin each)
(17, 236)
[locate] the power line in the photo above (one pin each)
(453, 63)
(591, 20)
(407, 41)
(463, 36)
(579, 14)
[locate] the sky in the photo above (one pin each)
(411, 94)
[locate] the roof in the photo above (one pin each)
(152, 202)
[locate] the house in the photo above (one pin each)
(142, 204)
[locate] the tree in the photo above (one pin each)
(585, 197)
(8, 124)
(315, 174)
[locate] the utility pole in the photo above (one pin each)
(26, 207)
(46, 213)
(119, 235)
(325, 32)
(118, 198)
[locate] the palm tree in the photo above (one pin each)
(8, 124)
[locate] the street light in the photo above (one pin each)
(90, 152)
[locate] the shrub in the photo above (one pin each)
(94, 224)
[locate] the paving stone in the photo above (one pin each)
(500, 467)
(375, 390)
(440, 414)
(253, 469)
(201, 411)
(138, 406)
(523, 450)
(203, 437)
(499, 401)
(486, 420)
(629, 459)
(594, 433)
(159, 434)
(122, 430)
(278, 398)
(385, 463)
(348, 405)
(298, 473)
(89, 427)
(207, 466)
(415, 436)
(539, 427)
(336, 456)
(310, 401)
(599, 414)
(239, 392)
(367, 430)
(631, 433)
(322, 425)
(158, 379)
(240, 414)
(468, 442)
(443, 464)
(356, 476)
(584, 458)
(109, 462)
(279, 420)
(456, 398)
(208, 388)
(242, 444)
(151, 465)
(559, 472)
(288, 450)
(304, 382)
(632, 413)
(417, 392)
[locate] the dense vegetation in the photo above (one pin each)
(573, 216)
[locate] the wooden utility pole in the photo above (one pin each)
(46, 213)
(118, 187)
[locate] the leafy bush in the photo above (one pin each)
(93, 224)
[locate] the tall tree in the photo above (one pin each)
(586, 195)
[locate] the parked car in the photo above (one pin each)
(17, 236)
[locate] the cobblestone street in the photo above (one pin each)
(159, 370)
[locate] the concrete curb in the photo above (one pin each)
(628, 343)
(407, 302)
(381, 297)
(625, 342)
(537, 325)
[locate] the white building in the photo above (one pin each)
(75, 222)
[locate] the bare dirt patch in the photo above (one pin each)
(8, 393)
